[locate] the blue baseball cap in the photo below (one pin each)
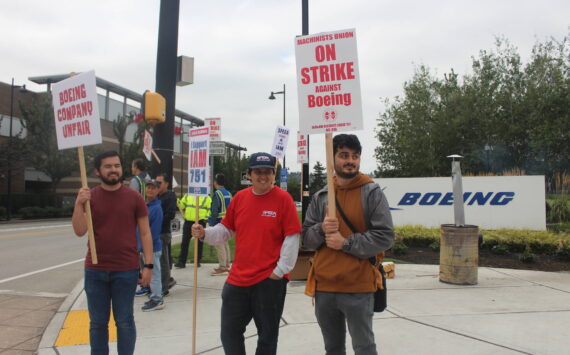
(261, 160)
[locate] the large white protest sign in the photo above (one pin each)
(77, 121)
(328, 82)
(302, 153)
(280, 141)
(215, 125)
(198, 162)
(147, 145)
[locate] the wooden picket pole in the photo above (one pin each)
(330, 173)
(81, 157)
(195, 297)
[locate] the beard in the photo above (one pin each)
(114, 180)
(347, 175)
(344, 175)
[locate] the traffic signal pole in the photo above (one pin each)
(166, 65)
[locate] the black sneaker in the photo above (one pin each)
(165, 293)
(179, 266)
(152, 306)
(171, 283)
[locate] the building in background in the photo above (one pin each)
(114, 101)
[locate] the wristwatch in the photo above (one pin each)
(347, 244)
(148, 266)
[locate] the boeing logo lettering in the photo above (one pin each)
(500, 198)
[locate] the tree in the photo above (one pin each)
(13, 149)
(120, 126)
(231, 166)
(318, 179)
(294, 186)
(520, 111)
(129, 151)
(41, 141)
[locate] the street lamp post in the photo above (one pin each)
(272, 97)
(9, 180)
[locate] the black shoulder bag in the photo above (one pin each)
(380, 296)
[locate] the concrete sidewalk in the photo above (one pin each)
(508, 312)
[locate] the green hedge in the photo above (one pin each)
(45, 212)
(517, 241)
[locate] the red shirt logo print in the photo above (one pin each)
(269, 214)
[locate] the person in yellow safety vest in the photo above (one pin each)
(187, 205)
(220, 201)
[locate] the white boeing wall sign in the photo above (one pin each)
(491, 202)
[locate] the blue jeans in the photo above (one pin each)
(264, 303)
(103, 289)
(156, 280)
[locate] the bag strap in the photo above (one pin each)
(372, 259)
(345, 219)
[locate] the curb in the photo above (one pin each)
(46, 346)
(22, 221)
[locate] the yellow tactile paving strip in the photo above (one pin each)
(75, 330)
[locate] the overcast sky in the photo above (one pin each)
(243, 50)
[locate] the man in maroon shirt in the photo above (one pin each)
(116, 212)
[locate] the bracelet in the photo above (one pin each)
(148, 266)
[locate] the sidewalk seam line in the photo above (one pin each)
(465, 335)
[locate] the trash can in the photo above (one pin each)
(459, 254)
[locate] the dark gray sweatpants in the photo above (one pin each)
(336, 310)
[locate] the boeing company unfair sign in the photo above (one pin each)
(491, 202)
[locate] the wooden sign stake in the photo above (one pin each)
(195, 297)
(330, 172)
(81, 157)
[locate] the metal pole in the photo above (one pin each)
(166, 65)
(181, 159)
(284, 153)
(9, 182)
(458, 203)
(305, 170)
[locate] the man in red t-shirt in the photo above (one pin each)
(116, 211)
(266, 226)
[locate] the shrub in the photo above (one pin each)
(68, 211)
(559, 210)
(418, 236)
(513, 240)
(434, 245)
(563, 253)
(52, 212)
(3, 212)
(527, 257)
(41, 212)
(500, 249)
(399, 248)
(31, 212)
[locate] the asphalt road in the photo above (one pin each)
(40, 256)
(40, 263)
